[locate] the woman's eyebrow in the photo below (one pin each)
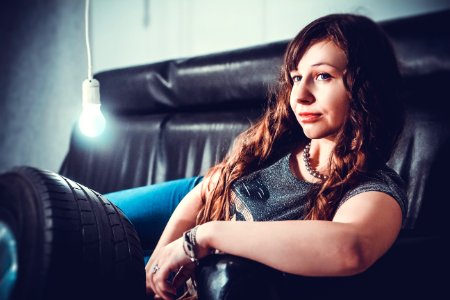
(324, 63)
(319, 64)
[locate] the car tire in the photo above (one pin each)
(72, 243)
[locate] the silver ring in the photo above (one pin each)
(155, 268)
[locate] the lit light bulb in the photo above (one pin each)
(92, 122)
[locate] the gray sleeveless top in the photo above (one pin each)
(274, 193)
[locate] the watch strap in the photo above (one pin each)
(190, 244)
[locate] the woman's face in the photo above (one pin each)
(318, 98)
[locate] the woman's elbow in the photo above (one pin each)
(356, 258)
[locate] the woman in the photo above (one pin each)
(312, 171)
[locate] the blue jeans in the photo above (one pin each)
(150, 207)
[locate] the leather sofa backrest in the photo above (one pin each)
(177, 118)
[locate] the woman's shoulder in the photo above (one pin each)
(384, 180)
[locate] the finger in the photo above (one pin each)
(163, 294)
(150, 280)
(149, 286)
(180, 279)
(164, 282)
(182, 276)
(162, 286)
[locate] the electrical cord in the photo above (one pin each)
(88, 46)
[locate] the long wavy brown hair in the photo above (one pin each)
(364, 143)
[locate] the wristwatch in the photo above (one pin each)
(190, 244)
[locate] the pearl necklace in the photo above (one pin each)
(309, 168)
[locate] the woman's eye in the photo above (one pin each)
(296, 78)
(323, 76)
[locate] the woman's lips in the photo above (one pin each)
(309, 117)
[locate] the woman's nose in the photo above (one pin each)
(302, 93)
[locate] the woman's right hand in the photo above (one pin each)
(169, 267)
(167, 270)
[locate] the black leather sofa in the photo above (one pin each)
(177, 118)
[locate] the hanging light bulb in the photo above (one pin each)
(91, 122)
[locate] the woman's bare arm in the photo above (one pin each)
(182, 218)
(362, 230)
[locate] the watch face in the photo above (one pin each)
(188, 245)
(190, 249)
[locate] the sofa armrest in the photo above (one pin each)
(413, 268)
(225, 276)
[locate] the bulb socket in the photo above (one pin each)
(91, 92)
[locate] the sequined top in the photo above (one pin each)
(274, 193)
